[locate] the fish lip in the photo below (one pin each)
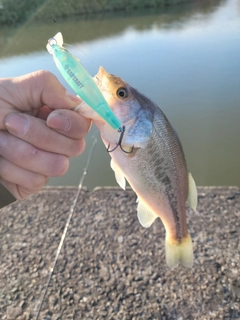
(98, 78)
(98, 83)
(100, 74)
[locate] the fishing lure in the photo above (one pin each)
(81, 81)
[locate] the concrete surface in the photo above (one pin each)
(112, 268)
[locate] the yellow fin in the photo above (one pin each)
(118, 175)
(145, 216)
(179, 252)
(192, 193)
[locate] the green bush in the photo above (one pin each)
(17, 11)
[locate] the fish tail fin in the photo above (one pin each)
(179, 252)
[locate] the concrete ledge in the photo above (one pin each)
(112, 268)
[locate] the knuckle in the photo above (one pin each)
(83, 126)
(28, 156)
(43, 76)
(47, 139)
(32, 152)
(3, 141)
(86, 124)
(41, 79)
(22, 193)
(80, 147)
(4, 169)
(46, 77)
(76, 148)
(37, 182)
(34, 185)
(59, 165)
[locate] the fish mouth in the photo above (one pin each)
(101, 73)
(101, 80)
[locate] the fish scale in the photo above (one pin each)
(176, 181)
(163, 179)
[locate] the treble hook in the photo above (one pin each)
(119, 144)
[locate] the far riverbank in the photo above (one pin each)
(12, 12)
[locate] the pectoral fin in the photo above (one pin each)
(145, 216)
(120, 178)
(192, 193)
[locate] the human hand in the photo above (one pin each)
(35, 141)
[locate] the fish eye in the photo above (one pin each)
(122, 93)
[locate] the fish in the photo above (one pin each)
(149, 155)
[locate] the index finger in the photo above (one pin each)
(33, 90)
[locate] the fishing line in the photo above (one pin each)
(82, 53)
(85, 170)
(66, 45)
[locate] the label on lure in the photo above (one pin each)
(73, 76)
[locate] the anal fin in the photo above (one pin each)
(145, 215)
(192, 193)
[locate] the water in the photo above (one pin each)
(185, 58)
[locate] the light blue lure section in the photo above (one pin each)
(81, 81)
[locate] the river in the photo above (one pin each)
(185, 58)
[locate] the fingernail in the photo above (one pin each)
(16, 123)
(58, 121)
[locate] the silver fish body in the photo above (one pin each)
(156, 168)
(162, 173)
